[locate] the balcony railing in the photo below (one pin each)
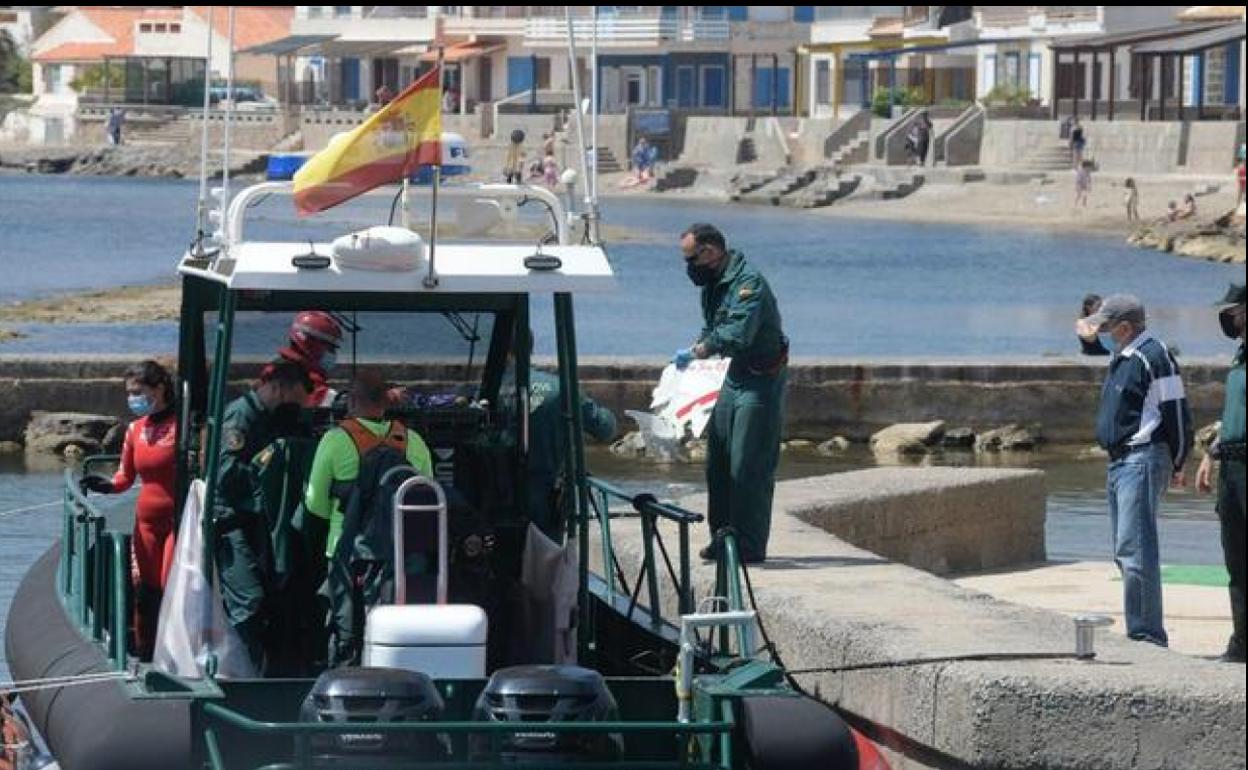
(617, 31)
(1041, 16)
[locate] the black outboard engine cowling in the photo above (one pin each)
(536, 694)
(374, 695)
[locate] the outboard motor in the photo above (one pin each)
(362, 696)
(536, 694)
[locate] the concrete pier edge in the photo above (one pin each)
(826, 603)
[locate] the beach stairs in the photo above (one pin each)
(607, 162)
(747, 151)
(785, 183)
(1053, 156)
(744, 184)
(169, 132)
(856, 150)
(903, 189)
(824, 191)
(292, 142)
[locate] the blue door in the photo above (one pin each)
(763, 83)
(686, 85)
(713, 87)
(519, 74)
(350, 79)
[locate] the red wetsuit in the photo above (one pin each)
(149, 452)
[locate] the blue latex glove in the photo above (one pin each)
(682, 358)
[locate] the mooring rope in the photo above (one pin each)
(28, 508)
(51, 683)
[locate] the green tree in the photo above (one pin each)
(15, 69)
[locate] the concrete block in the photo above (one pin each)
(826, 603)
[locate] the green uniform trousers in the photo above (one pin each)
(1231, 497)
(742, 452)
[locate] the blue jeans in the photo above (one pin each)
(1135, 486)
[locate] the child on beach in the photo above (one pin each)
(1131, 198)
(1083, 183)
(550, 171)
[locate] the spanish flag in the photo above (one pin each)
(402, 135)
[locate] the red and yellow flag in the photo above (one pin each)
(402, 135)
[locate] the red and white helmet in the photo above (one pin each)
(314, 332)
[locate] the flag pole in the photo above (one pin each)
(431, 279)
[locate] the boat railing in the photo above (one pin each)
(217, 716)
(728, 593)
(94, 572)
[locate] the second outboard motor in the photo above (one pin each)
(374, 695)
(536, 694)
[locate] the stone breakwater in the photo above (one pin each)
(1221, 240)
(1055, 399)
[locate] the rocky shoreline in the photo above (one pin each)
(167, 162)
(1221, 240)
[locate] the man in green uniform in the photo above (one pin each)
(335, 469)
(1228, 450)
(250, 424)
(548, 445)
(742, 322)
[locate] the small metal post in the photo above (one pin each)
(1085, 634)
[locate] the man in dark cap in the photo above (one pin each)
(742, 322)
(1145, 426)
(1228, 451)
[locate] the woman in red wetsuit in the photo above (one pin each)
(148, 453)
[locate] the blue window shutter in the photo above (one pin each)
(782, 85)
(803, 13)
(519, 74)
(713, 87)
(738, 13)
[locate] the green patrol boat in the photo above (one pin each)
(579, 668)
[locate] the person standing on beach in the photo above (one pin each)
(1078, 141)
(742, 322)
(116, 119)
(1145, 426)
(1083, 184)
(1131, 199)
(1228, 452)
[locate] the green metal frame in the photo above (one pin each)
(94, 570)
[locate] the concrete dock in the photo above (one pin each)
(827, 603)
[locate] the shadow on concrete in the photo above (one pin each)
(814, 562)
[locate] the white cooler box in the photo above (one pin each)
(444, 641)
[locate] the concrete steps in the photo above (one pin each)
(607, 162)
(903, 189)
(823, 192)
(857, 150)
(747, 152)
(172, 132)
(1050, 157)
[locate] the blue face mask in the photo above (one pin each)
(328, 360)
(139, 404)
(1107, 342)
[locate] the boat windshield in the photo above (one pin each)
(459, 339)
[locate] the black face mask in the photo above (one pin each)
(1229, 327)
(701, 275)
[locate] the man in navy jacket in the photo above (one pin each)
(1145, 425)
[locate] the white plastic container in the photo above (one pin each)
(445, 641)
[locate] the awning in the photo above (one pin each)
(344, 46)
(288, 45)
(462, 52)
(1192, 44)
(1108, 42)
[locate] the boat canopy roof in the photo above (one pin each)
(487, 268)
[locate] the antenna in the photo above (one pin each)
(580, 123)
(201, 207)
(229, 118)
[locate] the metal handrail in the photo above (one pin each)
(650, 510)
(399, 523)
(97, 598)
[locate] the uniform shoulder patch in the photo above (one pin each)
(233, 440)
(746, 292)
